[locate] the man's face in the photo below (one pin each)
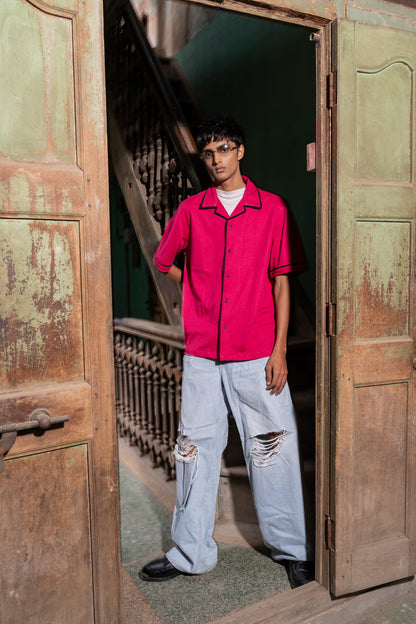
(222, 159)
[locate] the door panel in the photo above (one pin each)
(59, 503)
(41, 94)
(58, 480)
(41, 332)
(374, 197)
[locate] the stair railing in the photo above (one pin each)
(151, 148)
(148, 368)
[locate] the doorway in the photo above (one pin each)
(264, 73)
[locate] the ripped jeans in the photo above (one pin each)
(267, 428)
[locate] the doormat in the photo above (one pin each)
(242, 576)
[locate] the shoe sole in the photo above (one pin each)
(152, 579)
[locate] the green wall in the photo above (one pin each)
(130, 278)
(262, 73)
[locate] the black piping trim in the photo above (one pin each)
(222, 292)
(288, 265)
(260, 202)
(201, 207)
(167, 266)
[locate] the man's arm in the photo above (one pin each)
(276, 367)
(175, 273)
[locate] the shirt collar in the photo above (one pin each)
(251, 199)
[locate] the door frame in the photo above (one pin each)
(321, 38)
(314, 599)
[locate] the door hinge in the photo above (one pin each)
(329, 533)
(331, 319)
(331, 89)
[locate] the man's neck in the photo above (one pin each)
(232, 184)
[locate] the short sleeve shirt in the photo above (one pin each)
(230, 264)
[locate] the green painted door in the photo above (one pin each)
(59, 488)
(374, 199)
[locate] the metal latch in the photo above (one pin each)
(39, 419)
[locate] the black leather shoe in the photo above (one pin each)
(159, 569)
(298, 572)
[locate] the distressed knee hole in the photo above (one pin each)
(185, 450)
(266, 446)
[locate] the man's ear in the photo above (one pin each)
(240, 152)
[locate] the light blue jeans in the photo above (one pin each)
(267, 427)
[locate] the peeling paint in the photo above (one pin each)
(40, 315)
(382, 296)
(19, 192)
(37, 84)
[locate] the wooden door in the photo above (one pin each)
(374, 198)
(59, 489)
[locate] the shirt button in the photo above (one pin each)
(228, 275)
(229, 250)
(226, 301)
(225, 326)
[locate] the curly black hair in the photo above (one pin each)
(219, 129)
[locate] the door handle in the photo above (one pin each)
(39, 419)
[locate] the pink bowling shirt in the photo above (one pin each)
(230, 262)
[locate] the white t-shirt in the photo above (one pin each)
(230, 199)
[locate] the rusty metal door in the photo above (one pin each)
(59, 491)
(373, 490)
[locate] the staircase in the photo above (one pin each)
(151, 147)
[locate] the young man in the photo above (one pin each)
(240, 244)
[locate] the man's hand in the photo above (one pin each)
(175, 273)
(276, 372)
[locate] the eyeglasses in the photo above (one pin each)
(223, 150)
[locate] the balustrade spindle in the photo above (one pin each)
(149, 400)
(118, 364)
(130, 389)
(148, 359)
(124, 383)
(157, 441)
(143, 416)
(136, 400)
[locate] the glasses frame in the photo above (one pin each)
(209, 154)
